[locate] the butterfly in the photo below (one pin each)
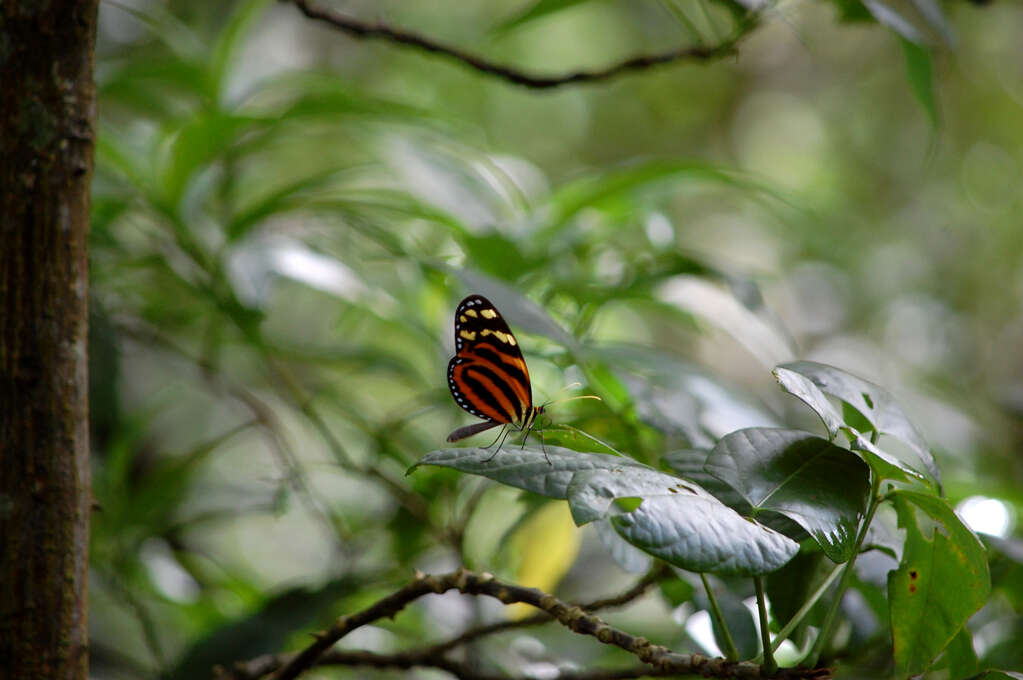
(488, 376)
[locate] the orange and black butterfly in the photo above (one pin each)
(487, 375)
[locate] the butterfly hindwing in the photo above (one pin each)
(488, 376)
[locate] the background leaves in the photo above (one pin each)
(283, 219)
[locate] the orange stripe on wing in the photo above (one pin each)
(513, 413)
(478, 402)
(522, 391)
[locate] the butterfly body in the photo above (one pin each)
(488, 375)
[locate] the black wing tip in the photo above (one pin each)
(472, 297)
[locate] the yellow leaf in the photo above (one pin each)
(547, 544)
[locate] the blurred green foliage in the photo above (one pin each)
(285, 217)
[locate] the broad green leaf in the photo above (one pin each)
(526, 468)
(885, 465)
(740, 622)
(943, 579)
(803, 389)
(704, 535)
(821, 487)
(680, 398)
(791, 586)
(627, 556)
(961, 657)
(591, 492)
(874, 402)
(540, 8)
(714, 304)
(689, 463)
(920, 72)
(676, 590)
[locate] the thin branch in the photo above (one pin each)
(654, 575)
(661, 659)
(362, 29)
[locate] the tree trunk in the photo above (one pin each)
(47, 109)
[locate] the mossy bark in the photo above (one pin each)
(47, 111)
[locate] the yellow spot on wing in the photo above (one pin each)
(468, 335)
(488, 313)
(462, 318)
(500, 335)
(471, 312)
(511, 340)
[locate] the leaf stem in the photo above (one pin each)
(731, 653)
(784, 633)
(827, 628)
(769, 666)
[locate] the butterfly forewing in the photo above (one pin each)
(488, 376)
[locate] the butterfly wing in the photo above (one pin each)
(488, 376)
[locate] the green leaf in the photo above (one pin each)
(717, 305)
(874, 402)
(884, 465)
(276, 202)
(740, 623)
(791, 586)
(526, 468)
(516, 308)
(627, 556)
(920, 21)
(539, 9)
(570, 199)
(679, 398)
(591, 492)
(803, 389)
(942, 580)
(194, 146)
(961, 657)
(689, 463)
(230, 40)
(704, 535)
(999, 675)
(820, 486)
(920, 72)
(676, 591)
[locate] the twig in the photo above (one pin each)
(655, 574)
(659, 658)
(400, 36)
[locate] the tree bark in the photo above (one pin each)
(47, 110)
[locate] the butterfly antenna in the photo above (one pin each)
(582, 396)
(592, 438)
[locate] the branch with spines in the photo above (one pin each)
(658, 660)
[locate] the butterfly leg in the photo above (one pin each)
(499, 435)
(504, 435)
